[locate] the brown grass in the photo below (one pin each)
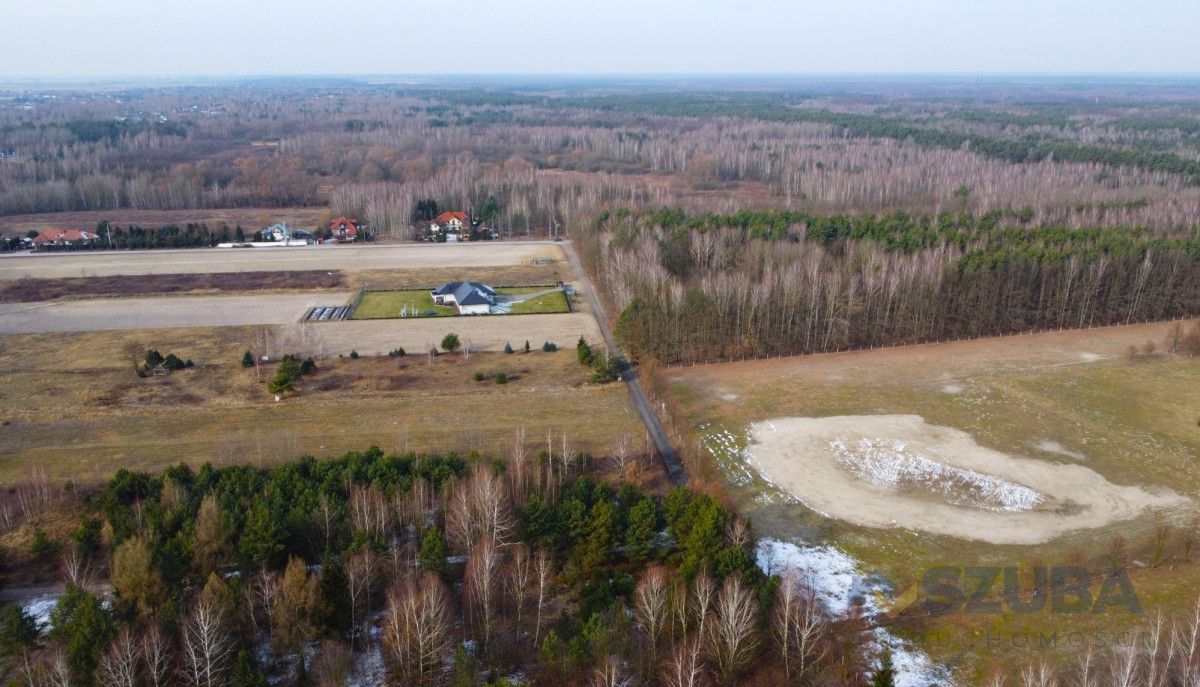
(248, 218)
(29, 290)
(71, 405)
(419, 278)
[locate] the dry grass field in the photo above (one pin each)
(248, 218)
(72, 405)
(463, 256)
(1075, 400)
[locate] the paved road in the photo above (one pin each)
(209, 260)
(641, 403)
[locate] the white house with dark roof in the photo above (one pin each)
(468, 297)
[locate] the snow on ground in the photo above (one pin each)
(1051, 446)
(39, 608)
(890, 463)
(837, 580)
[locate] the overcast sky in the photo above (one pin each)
(89, 38)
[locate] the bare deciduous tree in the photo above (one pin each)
(651, 600)
(362, 571)
(156, 657)
(685, 666)
(120, 665)
(543, 570)
(416, 629)
(207, 645)
(482, 582)
(732, 634)
(798, 624)
(520, 570)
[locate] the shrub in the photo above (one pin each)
(153, 358)
(507, 347)
(527, 349)
(354, 354)
(309, 366)
(396, 353)
(43, 548)
(286, 376)
(605, 368)
(450, 343)
(172, 362)
(584, 351)
(247, 359)
(479, 376)
(549, 347)
(501, 378)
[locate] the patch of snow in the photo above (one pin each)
(368, 668)
(1090, 357)
(836, 580)
(1050, 446)
(39, 609)
(952, 388)
(889, 463)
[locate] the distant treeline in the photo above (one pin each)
(700, 287)
(775, 108)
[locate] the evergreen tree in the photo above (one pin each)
(600, 536)
(18, 634)
(246, 672)
(886, 675)
(260, 544)
(639, 535)
(247, 359)
(80, 622)
(450, 343)
(584, 351)
(433, 551)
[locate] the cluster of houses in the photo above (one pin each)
(454, 226)
(448, 227)
(341, 230)
(55, 238)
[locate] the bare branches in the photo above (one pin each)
(416, 630)
(732, 636)
(207, 646)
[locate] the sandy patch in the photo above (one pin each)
(952, 388)
(899, 471)
(1050, 446)
(1090, 357)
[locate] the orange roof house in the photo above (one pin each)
(62, 237)
(344, 228)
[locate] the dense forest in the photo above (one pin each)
(703, 287)
(552, 155)
(415, 570)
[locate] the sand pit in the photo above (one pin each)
(899, 471)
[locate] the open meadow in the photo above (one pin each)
(212, 260)
(73, 407)
(1049, 449)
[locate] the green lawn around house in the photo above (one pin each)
(376, 305)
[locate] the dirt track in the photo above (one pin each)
(209, 260)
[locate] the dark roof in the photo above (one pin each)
(467, 292)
